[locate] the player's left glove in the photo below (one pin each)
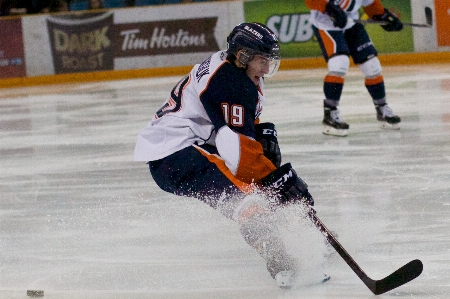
(284, 184)
(267, 136)
(393, 22)
(337, 15)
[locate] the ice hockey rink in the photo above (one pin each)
(79, 219)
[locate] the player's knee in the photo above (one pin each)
(338, 65)
(249, 207)
(371, 67)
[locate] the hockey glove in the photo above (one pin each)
(337, 15)
(284, 184)
(393, 23)
(267, 136)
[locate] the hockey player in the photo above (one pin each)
(340, 37)
(206, 142)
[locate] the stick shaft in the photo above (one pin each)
(368, 22)
(399, 277)
(337, 246)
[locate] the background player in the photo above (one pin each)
(339, 37)
(206, 142)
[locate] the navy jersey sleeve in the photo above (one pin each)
(230, 99)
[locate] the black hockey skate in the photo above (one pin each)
(332, 124)
(387, 118)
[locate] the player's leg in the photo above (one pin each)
(364, 54)
(259, 227)
(199, 172)
(335, 51)
(261, 232)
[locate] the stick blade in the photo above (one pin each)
(403, 275)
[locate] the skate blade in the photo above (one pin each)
(387, 126)
(327, 130)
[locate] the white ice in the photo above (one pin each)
(80, 219)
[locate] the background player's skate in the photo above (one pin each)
(387, 118)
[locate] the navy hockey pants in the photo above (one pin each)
(190, 173)
(354, 42)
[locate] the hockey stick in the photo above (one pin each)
(428, 18)
(399, 277)
(369, 21)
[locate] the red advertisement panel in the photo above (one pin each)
(442, 8)
(12, 58)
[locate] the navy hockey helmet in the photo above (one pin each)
(255, 39)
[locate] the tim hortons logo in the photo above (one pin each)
(159, 39)
(166, 37)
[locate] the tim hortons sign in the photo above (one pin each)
(166, 37)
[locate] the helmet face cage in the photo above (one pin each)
(274, 64)
(255, 39)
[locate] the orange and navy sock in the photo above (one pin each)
(333, 86)
(376, 89)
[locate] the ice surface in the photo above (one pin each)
(80, 219)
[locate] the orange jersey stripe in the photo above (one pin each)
(376, 8)
(316, 4)
(220, 163)
(328, 42)
(345, 4)
(253, 165)
(260, 90)
(374, 81)
(334, 79)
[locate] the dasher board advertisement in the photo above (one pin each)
(442, 9)
(12, 60)
(289, 19)
(126, 39)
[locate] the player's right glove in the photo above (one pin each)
(393, 22)
(337, 15)
(284, 184)
(267, 136)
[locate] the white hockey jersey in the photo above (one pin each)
(217, 104)
(320, 19)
